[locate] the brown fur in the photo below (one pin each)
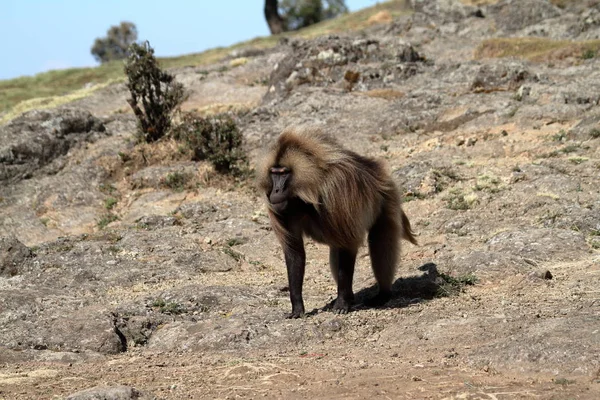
(351, 196)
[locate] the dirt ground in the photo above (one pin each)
(114, 278)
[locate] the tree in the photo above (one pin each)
(274, 20)
(289, 15)
(116, 43)
(155, 94)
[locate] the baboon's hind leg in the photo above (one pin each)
(384, 247)
(342, 263)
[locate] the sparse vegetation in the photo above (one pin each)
(168, 307)
(595, 133)
(489, 183)
(457, 200)
(235, 242)
(176, 181)
(216, 139)
(535, 48)
(410, 196)
(563, 381)
(107, 188)
(109, 203)
(549, 195)
(578, 160)
(588, 54)
(451, 286)
(114, 249)
(560, 136)
(155, 94)
(233, 254)
(106, 219)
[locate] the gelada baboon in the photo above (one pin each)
(315, 187)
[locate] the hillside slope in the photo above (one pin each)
(486, 112)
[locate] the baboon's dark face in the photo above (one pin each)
(280, 190)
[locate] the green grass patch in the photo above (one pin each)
(168, 307)
(457, 200)
(578, 160)
(233, 254)
(176, 181)
(109, 203)
(563, 381)
(452, 286)
(416, 195)
(536, 48)
(106, 219)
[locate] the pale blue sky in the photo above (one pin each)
(38, 35)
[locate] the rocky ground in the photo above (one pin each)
(117, 281)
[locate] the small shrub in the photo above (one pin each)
(588, 54)
(235, 241)
(106, 219)
(561, 136)
(578, 160)
(155, 94)
(451, 286)
(176, 181)
(457, 200)
(215, 139)
(563, 381)
(233, 254)
(410, 196)
(109, 203)
(107, 188)
(570, 148)
(595, 133)
(168, 307)
(489, 183)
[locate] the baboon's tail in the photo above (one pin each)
(407, 232)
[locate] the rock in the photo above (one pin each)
(513, 15)
(110, 393)
(156, 221)
(210, 261)
(326, 60)
(544, 274)
(539, 244)
(523, 92)
(37, 137)
(443, 10)
(13, 255)
(500, 77)
(407, 53)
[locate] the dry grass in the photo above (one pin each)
(40, 103)
(53, 84)
(387, 94)
(558, 3)
(478, 2)
(536, 49)
(566, 3)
